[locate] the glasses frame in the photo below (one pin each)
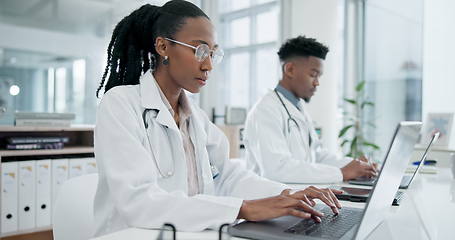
(196, 48)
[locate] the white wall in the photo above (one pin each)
(322, 20)
(438, 57)
(62, 44)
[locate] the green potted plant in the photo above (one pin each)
(353, 133)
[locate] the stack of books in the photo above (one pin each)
(31, 143)
(44, 119)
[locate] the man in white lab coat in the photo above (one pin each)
(280, 138)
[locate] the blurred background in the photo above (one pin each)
(53, 53)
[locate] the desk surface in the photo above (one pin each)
(426, 212)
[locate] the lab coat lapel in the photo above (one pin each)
(151, 99)
(295, 113)
(309, 123)
(165, 144)
(199, 138)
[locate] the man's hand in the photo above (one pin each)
(364, 159)
(358, 168)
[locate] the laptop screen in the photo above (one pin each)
(424, 156)
(385, 187)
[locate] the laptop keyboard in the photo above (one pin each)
(332, 226)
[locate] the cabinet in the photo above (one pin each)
(79, 147)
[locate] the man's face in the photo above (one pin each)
(305, 76)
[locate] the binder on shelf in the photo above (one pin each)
(43, 193)
(9, 194)
(59, 175)
(76, 167)
(27, 195)
(90, 166)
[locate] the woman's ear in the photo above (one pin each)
(160, 46)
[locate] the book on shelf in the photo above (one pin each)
(25, 140)
(35, 146)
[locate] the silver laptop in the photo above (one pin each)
(406, 180)
(351, 223)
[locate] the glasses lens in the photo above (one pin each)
(202, 52)
(217, 56)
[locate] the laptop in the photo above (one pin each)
(406, 180)
(351, 223)
(361, 195)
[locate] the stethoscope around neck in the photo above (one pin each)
(170, 173)
(163, 173)
(290, 118)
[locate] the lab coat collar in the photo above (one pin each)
(288, 95)
(293, 110)
(151, 99)
(302, 116)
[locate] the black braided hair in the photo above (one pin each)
(302, 46)
(131, 51)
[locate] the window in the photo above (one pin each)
(390, 62)
(249, 33)
(394, 82)
(45, 83)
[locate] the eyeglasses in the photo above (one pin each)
(202, 51)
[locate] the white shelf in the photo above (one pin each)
(22, 232)
(435, 148)
(66, 150)
(46, 129)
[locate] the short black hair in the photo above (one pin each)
(131, 51)
(302, 46)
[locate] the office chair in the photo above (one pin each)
(73, 209)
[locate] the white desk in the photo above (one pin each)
(426, 212)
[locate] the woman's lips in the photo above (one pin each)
(201, 81)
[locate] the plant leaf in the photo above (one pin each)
(344, 142)
(371, 124)
(354, 146)
(360, 86)
(366, 104)
(352, 101)
(344, 130)
(374, 146)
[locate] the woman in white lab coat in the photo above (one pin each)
(160, 158)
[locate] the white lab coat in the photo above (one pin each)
(285, 156)
(143, 172)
